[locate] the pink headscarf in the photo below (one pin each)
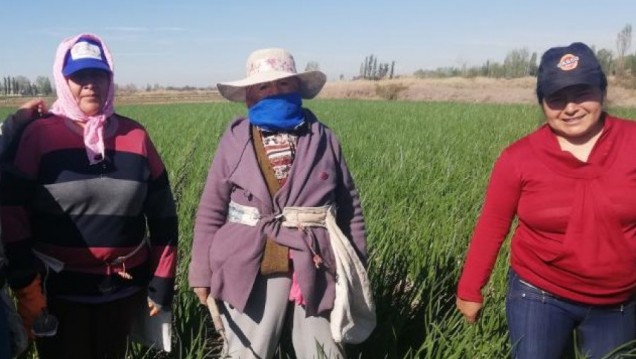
(66, 105)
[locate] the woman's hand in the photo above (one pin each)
(30, 110)
(470, 310)
(202, 293)
(153, 307)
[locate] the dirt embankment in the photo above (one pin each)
(475, 90)
(479, 90)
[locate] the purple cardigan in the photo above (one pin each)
(226, 256)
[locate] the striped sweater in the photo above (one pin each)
(85, 215)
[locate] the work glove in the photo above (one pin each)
(31, 303)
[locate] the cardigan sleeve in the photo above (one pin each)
(211, 214)
(499, 209)
(349, 208)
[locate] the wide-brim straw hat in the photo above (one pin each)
(270, 65)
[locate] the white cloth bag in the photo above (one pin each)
(353, 316)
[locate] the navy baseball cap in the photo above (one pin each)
(86, 53)
(571, 65)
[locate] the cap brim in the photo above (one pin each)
(84, 64)
(556, 86)
(311, 82)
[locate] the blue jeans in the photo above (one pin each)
(541, 325)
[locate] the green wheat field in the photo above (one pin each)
(421, 169)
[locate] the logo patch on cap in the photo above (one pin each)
(568, 62)
(85, 50)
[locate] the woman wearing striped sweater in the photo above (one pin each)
(87, 213)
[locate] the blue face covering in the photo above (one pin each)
(278, 113)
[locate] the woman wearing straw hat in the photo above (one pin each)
(572, 185)
(278, 198)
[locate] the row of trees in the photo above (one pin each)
(371, 69)
(22, 86)
(517, 63)
(520, 63)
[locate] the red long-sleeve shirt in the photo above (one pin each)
(576, 234)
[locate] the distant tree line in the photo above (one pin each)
(371, 69)
(517, 63)
(132, 88)
(520, 63)
(22, 86)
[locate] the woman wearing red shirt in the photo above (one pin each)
(572, 186)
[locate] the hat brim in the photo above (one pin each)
(556, 86)
(310, 84)
(84, 64)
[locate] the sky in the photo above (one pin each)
(203, 42)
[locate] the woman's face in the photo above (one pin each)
(90, 89)
(574, 112)
(257, 92)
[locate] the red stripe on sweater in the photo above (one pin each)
(164, 260)
(58, 137)
(84, 259)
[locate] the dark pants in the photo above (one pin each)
(5, 336)
(90, 331)
(542, 325)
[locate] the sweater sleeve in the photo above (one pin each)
(9, 128)
(161, 216)
(499, 209)
(6, 133)
(211, 214)
(17, 185)
(349, 208)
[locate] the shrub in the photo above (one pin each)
(390, 91)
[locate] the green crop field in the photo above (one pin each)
(421, 169)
